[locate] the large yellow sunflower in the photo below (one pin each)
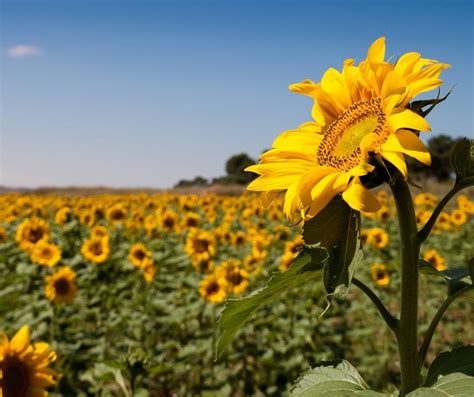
(360, 116)
(46, 254)
(24, 368)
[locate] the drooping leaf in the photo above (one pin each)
(418, 106)
(458, 360)
(462, 161)
(237, 311)
(343, 259)
(336, 379)
(452, 276)
(336, 228)
(452, 385)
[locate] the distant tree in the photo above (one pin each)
(235, 166)
(440, 147)
(197, 181)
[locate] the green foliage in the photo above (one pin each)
(462, 161)
(338, 380)
(453, 276)
(237, 312)
(452, 385)
(458, 360)
(336, 228)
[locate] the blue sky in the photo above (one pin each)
(144, 93)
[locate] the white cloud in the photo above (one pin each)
(23, 51)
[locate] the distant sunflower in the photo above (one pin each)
(24, 368)
(149, 270)
(285, 261)
(434, 258)
(63, 215)
(361, 117)
(378, 237)
(3, 235)
(117, 213)
(200, 246)
(96, 250)
(138, 255)
(458, 217)
(60, 287)
(46, 254)
(99, 232)
(379, 274)
(30, 231)
(213, 288)
(236, 277)
(191, 220)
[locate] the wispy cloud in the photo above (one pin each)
(23, 51)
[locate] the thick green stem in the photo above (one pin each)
(409, 253)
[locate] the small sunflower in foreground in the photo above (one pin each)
(60, 287)
(213, 288)
(46, 254)
(379, 274)
(361, 118)
(96, 250)
(433, 257)
(138, 255)
(24, 366)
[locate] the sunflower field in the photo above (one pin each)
(126, 290)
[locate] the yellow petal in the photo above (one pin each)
(376, 51)
(408, 120)
(21, 340)
(397, 160)
(359, 198)
(325, 191)
(407, 142)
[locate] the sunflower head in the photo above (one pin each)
(45, 254)
(379, 274)
(96, 250)
(435, 259)
(213, 288)
(362, 129)
(30, 232)
(24, 367)
(60, 287)
(139, 255)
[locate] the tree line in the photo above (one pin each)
(439, 146)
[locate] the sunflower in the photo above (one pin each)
(46, 254)
(139, 255)
(30, 231)
(117, 213)
(99, 232)
(361, 118)
(3, 235)
(24, 368)
(253, 263)
(63, 215)
(378, 238)
(236, 277)
(191, 220)
(379, 274)
(96, 250)
(200, 246)
(60, 287)
(213, 288)
(458, 217)
(434, 258)
(148, 270)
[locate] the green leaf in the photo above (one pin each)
(453, 276)
(417, 106)
(237, 311)
(336, 228)
(340, 379)
(452, 385)
(462, 161)
(343, 259)
(458, 360)
(328, 227)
